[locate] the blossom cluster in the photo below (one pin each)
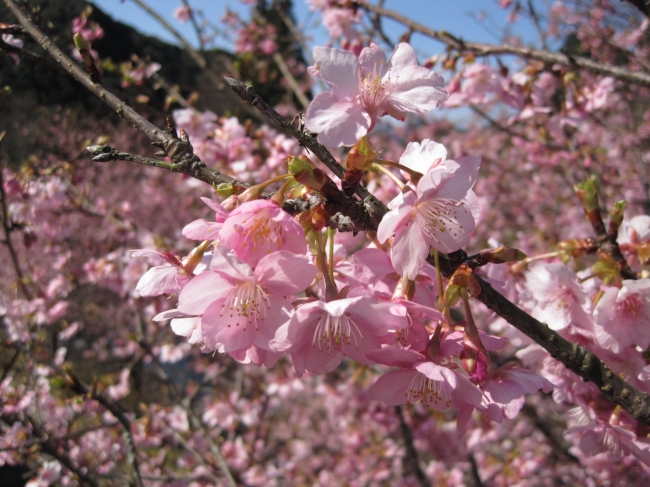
(290, 346)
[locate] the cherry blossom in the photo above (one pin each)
(241, 306)
(422, 380)
(320, 333)
(368, 87)
(257, 228)
(622, 316)
(440, 214)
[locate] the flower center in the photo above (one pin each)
(246, 305)
(429, 391)
(260, 231)
(439, 215)
(372, 90)
(629, 307)
(336, 332)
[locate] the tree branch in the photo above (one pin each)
(375, 210)
(576, 358)
(411, 459)
(121, 108)
(479, 49)
(118, 413)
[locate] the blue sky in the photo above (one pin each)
(459, 17)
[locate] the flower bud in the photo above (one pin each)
(195, 256)
(586, 192)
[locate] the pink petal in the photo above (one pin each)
(159, 280)
(417, 90)
(373, 60)
(337, 123)
(410, 250)
(285, 273)
(396, 357)
(201, 230)
(391, 387)
(201, 291)
(398, 216)
(221, 212)
(339, 69)
(403, 55)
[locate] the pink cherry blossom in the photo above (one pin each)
(434, 385)
(560, 300)
(622, 316)
(241, 306)
(163, 279)
(440, 214)
(183, 13)
(204, 230)
(257, 228)
(368, 87)
(422, 157)
(503, 392)
(320, 334)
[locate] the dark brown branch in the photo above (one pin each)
(576, 358)
(374, 209)
(607, 244)
(411, 460)
(106, 153)
(479, 49)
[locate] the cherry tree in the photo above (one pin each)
(432, 271)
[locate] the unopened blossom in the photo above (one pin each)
(241, 306)
(368, 87)
(439, 214)
(183, 13)
(205, 230)
(321, 333)
(257, 228)
(622, 316)
(168, 278)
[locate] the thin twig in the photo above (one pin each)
(121, 108)
(197, 29)
(118, 413)
(291, 80)
(479, 49)
(411, 459)
(30, 55)
(194, 54)
(538, 26)
(49, 446)
(7, 228)
(476, 476)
